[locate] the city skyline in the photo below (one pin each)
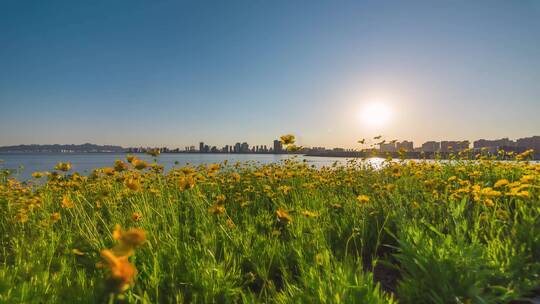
(174, 73)
(378, 144)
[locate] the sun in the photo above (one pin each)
(376, 114)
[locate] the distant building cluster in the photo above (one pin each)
(520, 145)
(244, 147)
(395, 146)
(145, 149)
(491, 146)
(276, 148)
(237, 148)
(428, 148)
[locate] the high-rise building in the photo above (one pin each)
(454, 146)
(503, 142)
(389, 147)
(244, 148)
(201, 147)
(529, 143)
(431, 146)
(405, 146)
(278, 146)
(463, 145)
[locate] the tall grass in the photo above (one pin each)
(409, 232)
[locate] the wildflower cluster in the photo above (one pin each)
(272, 233)
(122, 272)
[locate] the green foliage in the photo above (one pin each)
(427, 232)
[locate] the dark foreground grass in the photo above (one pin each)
(410, 232)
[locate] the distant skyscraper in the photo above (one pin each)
(278, 147)
(201, 147)
(405, 146)
(503, 142)
(244, 148)
(529, 143)
(431, 146)
(454, 146)
(390, 147)
(463, 145)
(448, 146)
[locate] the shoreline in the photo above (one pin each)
(338, 154)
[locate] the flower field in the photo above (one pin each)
(463, 231)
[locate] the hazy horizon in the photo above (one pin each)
(135, 73)
(368, 143)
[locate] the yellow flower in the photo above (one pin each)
(524, 155)
(217, 209)
(527, 179)
(122, 271)
(130, 158)
(63, 167)
(153, 152)
(37, 174)
(294, 148)
(139, 164)
(134, 237)
(230, 223)
(136, 216)
(119, 165)
(285, 189)
(362, 199)
(336, 206)
(55, 217)
(488, 191)
(21, 217)
(220, 198)
(308, 213)
(212, 168)
(287, 139)
(186, 182)
(489, 202)
(132, 184)
(187, 170)
(108, 171)
(127, 241)
(67, 202)
(283, 216)
(236, 176)
(501, 183)
(524, 193)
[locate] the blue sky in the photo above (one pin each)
(173, 73)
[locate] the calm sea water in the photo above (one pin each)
(84, 163)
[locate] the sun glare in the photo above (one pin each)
(376, 114)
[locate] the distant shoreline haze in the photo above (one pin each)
(379, 148)
(58, 148)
